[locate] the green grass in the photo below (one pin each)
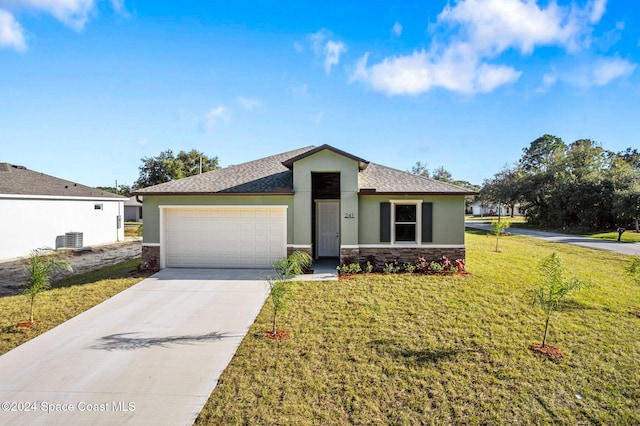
(400, 349)
(515, 219)
(66, 299)
(628, 236)
(133, 229)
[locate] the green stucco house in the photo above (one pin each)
(321, 200)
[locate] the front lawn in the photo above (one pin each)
(629, 236)
(400, 349)
(66, 299)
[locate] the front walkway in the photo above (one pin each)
(592, 243)
(151, 355)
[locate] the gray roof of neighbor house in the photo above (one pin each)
(18, 180)
(273, 175)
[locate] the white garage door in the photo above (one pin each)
(224, 237)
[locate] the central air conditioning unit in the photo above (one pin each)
(73, 239)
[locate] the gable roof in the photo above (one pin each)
(274, 175)
(18, 180)
(362, 164)
(264, 176)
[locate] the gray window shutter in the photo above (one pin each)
(385, 222)
(427, 222)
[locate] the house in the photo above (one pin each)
(132, 210)
(42, 211)
(484, 208)
(321, 200)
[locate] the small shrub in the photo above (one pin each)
(391, 268)
(409, 267)
(435, 267)
(422, 265)
(375, 265)
(351, 268)
(369, 268)
(294, 264)
(446, 263)
(460, 265)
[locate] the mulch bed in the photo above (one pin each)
(443, 273)
(279, 335)
(548, 350)
(27, 324)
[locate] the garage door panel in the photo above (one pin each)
(224, 237)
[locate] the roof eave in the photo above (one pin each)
(174, 193)
(370, 192)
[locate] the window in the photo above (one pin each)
(97, 206)
(406, 222)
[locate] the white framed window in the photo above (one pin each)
(406, 221)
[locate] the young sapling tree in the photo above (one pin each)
(554, 289)
(39, 268)
(497, 228)
(280, 286)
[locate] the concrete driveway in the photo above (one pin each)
(150, 355)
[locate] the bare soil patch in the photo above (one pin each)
(13, 273)
(279, 334)
(548, 350)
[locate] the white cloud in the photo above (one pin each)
(332, 51)
(72, 13)
(548, 81)
(11, 32)
(249, 104)
(214, 115)
(608, 69)
(420, 72)
(328, 50)
(470, 35)
(397, 29)
(598, 8)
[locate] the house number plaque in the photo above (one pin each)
(349, 216)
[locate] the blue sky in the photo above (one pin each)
(88, 88)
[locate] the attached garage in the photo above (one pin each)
(222, 237)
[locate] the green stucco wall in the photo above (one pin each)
(448, 217)
(151, 212)
(325, 161)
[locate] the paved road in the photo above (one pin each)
(593, 243)
(151, 355)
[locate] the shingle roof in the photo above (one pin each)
(267, 175)
(385, 180)
(17, 180)
(272, 175)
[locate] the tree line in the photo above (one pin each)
(579, 186)
(165, 168)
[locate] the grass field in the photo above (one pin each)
(66, 299)
(628, 236)
(400, 349)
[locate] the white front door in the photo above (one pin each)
(328, 228)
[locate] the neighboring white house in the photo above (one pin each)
(42, 211)
(133, 210)
(479, 208)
